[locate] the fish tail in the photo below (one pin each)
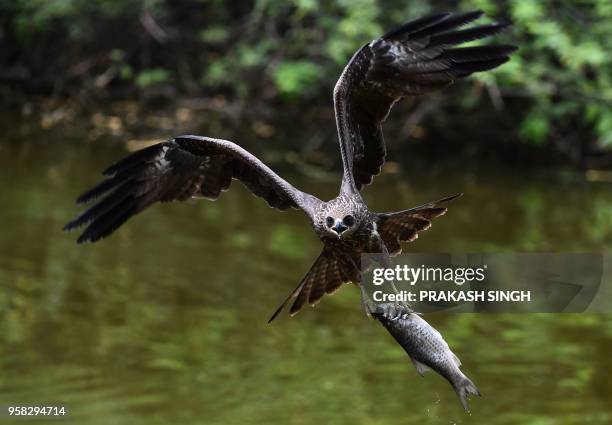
(464, 388)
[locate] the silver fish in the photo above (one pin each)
(425, 347)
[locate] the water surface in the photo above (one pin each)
(165, 321)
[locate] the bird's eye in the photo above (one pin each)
(349, 220)
(329, 221)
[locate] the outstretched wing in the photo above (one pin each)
(404, 226)
(327, 274)
(414, 59)
(176, 170)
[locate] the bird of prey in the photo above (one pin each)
(417, 58)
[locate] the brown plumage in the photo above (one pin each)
(404, 226)
(176, 170)
(414, 59)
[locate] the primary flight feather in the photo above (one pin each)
(414, 59)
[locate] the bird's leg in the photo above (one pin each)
(382, 257)
(400, 306)
(385, 261)
(367, 303)
(370, 306)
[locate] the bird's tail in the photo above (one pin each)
(326, 276)
(291, 296)
(298, 289)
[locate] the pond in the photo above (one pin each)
(165, 321)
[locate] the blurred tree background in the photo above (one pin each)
(273, 62)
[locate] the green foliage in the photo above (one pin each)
(535, 127)
(150, 77)
(293, 78)
(563, 67)
(558, 86)
(214, 34)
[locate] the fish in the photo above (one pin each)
(425, 347)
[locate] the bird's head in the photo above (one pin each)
(339, 218)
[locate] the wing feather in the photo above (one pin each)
(326, 276)
(176, 170)
(416, 58)
(404, 226)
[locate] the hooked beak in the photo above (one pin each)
(339, 227)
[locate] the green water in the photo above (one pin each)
(165, 322)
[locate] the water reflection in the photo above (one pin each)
(166, 320)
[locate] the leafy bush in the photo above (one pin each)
(558, 87)
(293, 78)
(150, 77)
